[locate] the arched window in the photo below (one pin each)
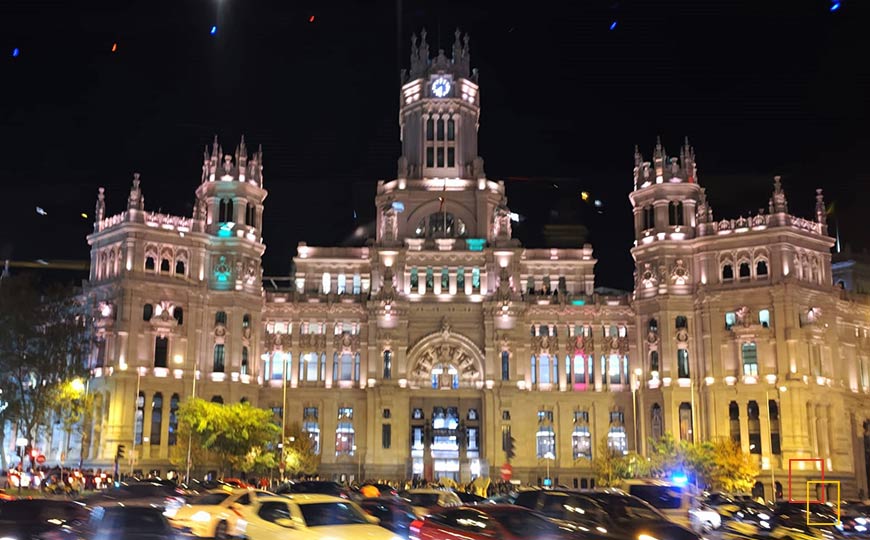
(451, 130)
(686, 428)
(220, 318)
(581, 438)
(653, 326)
(150, 263)
(734, 421)
(744, 271)
(250, 212)
(345, 439)
(172, 438)
(245, 368)
(246, 320)
(388, 364)
(545, 366)
(439, 133)
(750, 359)
(178, 314)
(156, 419)
(727, 272)
(217, 399)
(764, 317)
(773, 410)
(179, 268)
(161, 351)
(218, 365)
(415, 279)
(226, 211)
(654, 360)
(430, 129)
(752, 413)
(505, 366)
(345, 367)
(617, 441)
(147, 312)
(675, 213)
(649, 217)
(165, 266)
(656, 427)
(761, 268)
(140, 418)
(683, 363)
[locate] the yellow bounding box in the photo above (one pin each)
(823, 483)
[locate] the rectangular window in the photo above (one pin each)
(386, 436)
(683, 363)
(730, 320)
(451, 157)
(430, 157)
(161, 351)
(505, 437)
(417, 438)
(440, 157)
(473, 440)
(345, 413)
(218, 366)
(750, 359)
(313, 431)
(475, 279)
(415, 279)
(357, 284)
(342, 284)
(615, 376)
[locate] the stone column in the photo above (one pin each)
(436, 280)
(452, 288)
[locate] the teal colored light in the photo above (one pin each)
(578, 302)
(475, 244)
(225, 233)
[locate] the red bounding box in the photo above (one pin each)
(811, 460)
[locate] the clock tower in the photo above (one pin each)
(439, 114)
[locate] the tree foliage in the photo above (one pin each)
(237, 435)
(299, 452)
(611, 467)
(43, 342)
(734, 471)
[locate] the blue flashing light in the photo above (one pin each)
(16, 52)
(548, 482)
(578, 302)
(475, 244)
(213, 30)
(398, 206)
(679, 479)
(613, 25)
(835, 6)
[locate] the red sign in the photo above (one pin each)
(506, 472)
(40, 459)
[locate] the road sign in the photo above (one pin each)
(40, 459)
(506, 472)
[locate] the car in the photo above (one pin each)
(677, 502)
(311, 516)
(497, 521)
(425, 500)
(469, 498)
(160, 496)
(789, 521)
(394, 513)
(39, 518)
(609, 513)
(322, 487)
(215, 514)
(128, 523)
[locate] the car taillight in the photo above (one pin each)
(343, 495)
(415, 528)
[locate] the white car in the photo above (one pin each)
(704, 519)
(311, 517)
(215, 514)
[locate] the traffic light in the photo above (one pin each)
(509, 451)
(120, 454)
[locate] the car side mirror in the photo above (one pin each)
(372, 519)
(286, 523)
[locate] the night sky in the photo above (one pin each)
(760, 88)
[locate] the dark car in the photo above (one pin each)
(321, 487)
(608, 514)
(128, 523)
(395, 513)
(488, 522)
(469, 498)
(39, 518)
(790, 520)
(151, 494)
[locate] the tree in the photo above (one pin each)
(612, 467)
(43, 341)
(299, 452)
(733, 470)
(72, 403)
(236, 434)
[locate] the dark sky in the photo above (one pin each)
(761, 88)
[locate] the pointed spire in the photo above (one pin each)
(136, 201)
(215, 149)
(821, 211)
(242, 148)
(638, 157)
(778, 203)
(659, 160)
(100, 212)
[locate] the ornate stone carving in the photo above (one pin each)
(446, 356)
(445, 327)
(679, 272)
(251, 272)
(743, 316)
(389, 223)
(305, 340)
(545, 344)
(648, 278)
(652, 337)
(222, 269)
(682, 335)
(346, 342)
(501, 221)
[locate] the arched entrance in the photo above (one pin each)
(446, 369)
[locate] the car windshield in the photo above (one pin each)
(325, 514)
(422, 499)
(524, 524)
(210, 499)
(624, 509)
(661, 497)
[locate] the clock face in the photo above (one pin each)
(441, 87)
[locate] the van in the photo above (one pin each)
(678, 503)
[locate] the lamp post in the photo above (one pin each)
(284, 374)
(190, 432)
(549, 456)
(780, 390)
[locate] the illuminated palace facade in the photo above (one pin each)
(426, 351)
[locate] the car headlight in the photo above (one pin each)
(861, 520)
(764, 524)
(202, 515)
(765, 517)
(8, 538)
(646, 537)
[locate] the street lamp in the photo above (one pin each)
(284, 374)
(780, 390)
(549, 456)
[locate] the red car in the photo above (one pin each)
(502, 521)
